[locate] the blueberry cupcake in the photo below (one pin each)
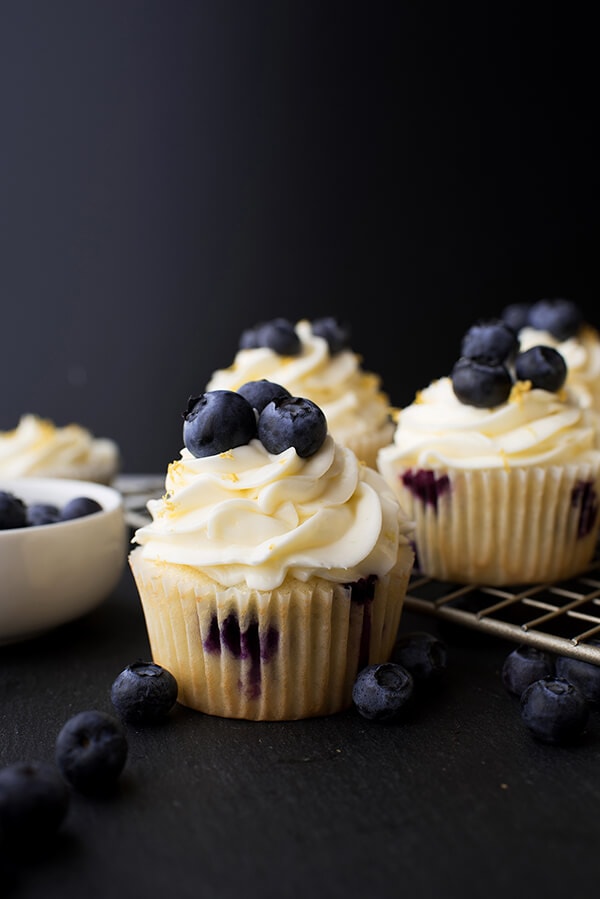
(314, 360)
(275, 565)
(39, 448)
(498, 467)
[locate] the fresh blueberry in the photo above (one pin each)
(34, 800)
(336, 333)
(561, 318)
(492, 342)
(516, 315)
(278, 335)
(382, 692)
(91, 751)
(13, 512)
(585, 675)
(422, 654)
(524, 665)
(259, 393)
(544, 366)
(79, 507)
(217, 421)
(479, 384)
(292, 421)
(554, 710)
(144, 693)
(42, 513)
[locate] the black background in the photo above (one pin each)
(172, 172)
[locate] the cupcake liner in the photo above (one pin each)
(499, 527)
(293, 652)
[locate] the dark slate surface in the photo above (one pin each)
(458, 800)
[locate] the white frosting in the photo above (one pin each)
(351, 399)
(38, 447)
(534, 427)
(582, 355)
(249, 516)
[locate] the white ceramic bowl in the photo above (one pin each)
(53, 573)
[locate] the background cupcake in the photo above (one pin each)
(499, 472)
(314, 360)
(275, 566)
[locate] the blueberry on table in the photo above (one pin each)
(336, 333)
(91, 751)
(544, 366)
(259, 393)
(144, 693)
(278, 335)
(492, 342)
(524, 665)
(554, 710)
(382, 692)
(13, 512)
(561, 318)
(585, 675)
(516, 315)
(292, 421)
(217, 421)
(79, 507)
(480, 384)
(42, 513)
(34, 800)
(423, 654)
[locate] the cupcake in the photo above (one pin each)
(559, 323)
(275, 565)
(314, 360)
(498, 468)
(37, 447)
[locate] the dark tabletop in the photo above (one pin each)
(457, 800)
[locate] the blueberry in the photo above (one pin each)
(554, 710)
(79, 507)
(278, 335)
(91, 751)
(217, 421)
(292, 421)
(42, 513)
(259, 393)
(561, 318)
(585, 675)
(492, 342)
(34, 800)
(381, 692)
(524, 665)
(422, 654)
(479, 384)
(336, 333)
(544, 366)
(144, 693)
(13, 512)
(516, 315)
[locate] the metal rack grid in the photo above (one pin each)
(560, 617)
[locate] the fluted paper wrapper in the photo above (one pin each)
(282, 654)
(500, 527)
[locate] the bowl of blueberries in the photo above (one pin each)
(63, 548)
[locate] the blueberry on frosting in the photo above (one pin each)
(278, 335)
(335, 332)
(480, 384)
(259, 393)
(543, 366)
(561, 318)
(292, 421)
(491, 342)
(217, 421)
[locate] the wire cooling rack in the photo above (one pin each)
(560, 617)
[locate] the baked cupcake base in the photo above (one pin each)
(289, 653)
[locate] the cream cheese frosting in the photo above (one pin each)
(534, 427)
(248, 516)
(351, 398)
(38, 447)
(582, 355)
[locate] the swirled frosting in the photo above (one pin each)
(38, 447)
(351, 398)
(534, 427)
(250, 516)
(582, 355)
